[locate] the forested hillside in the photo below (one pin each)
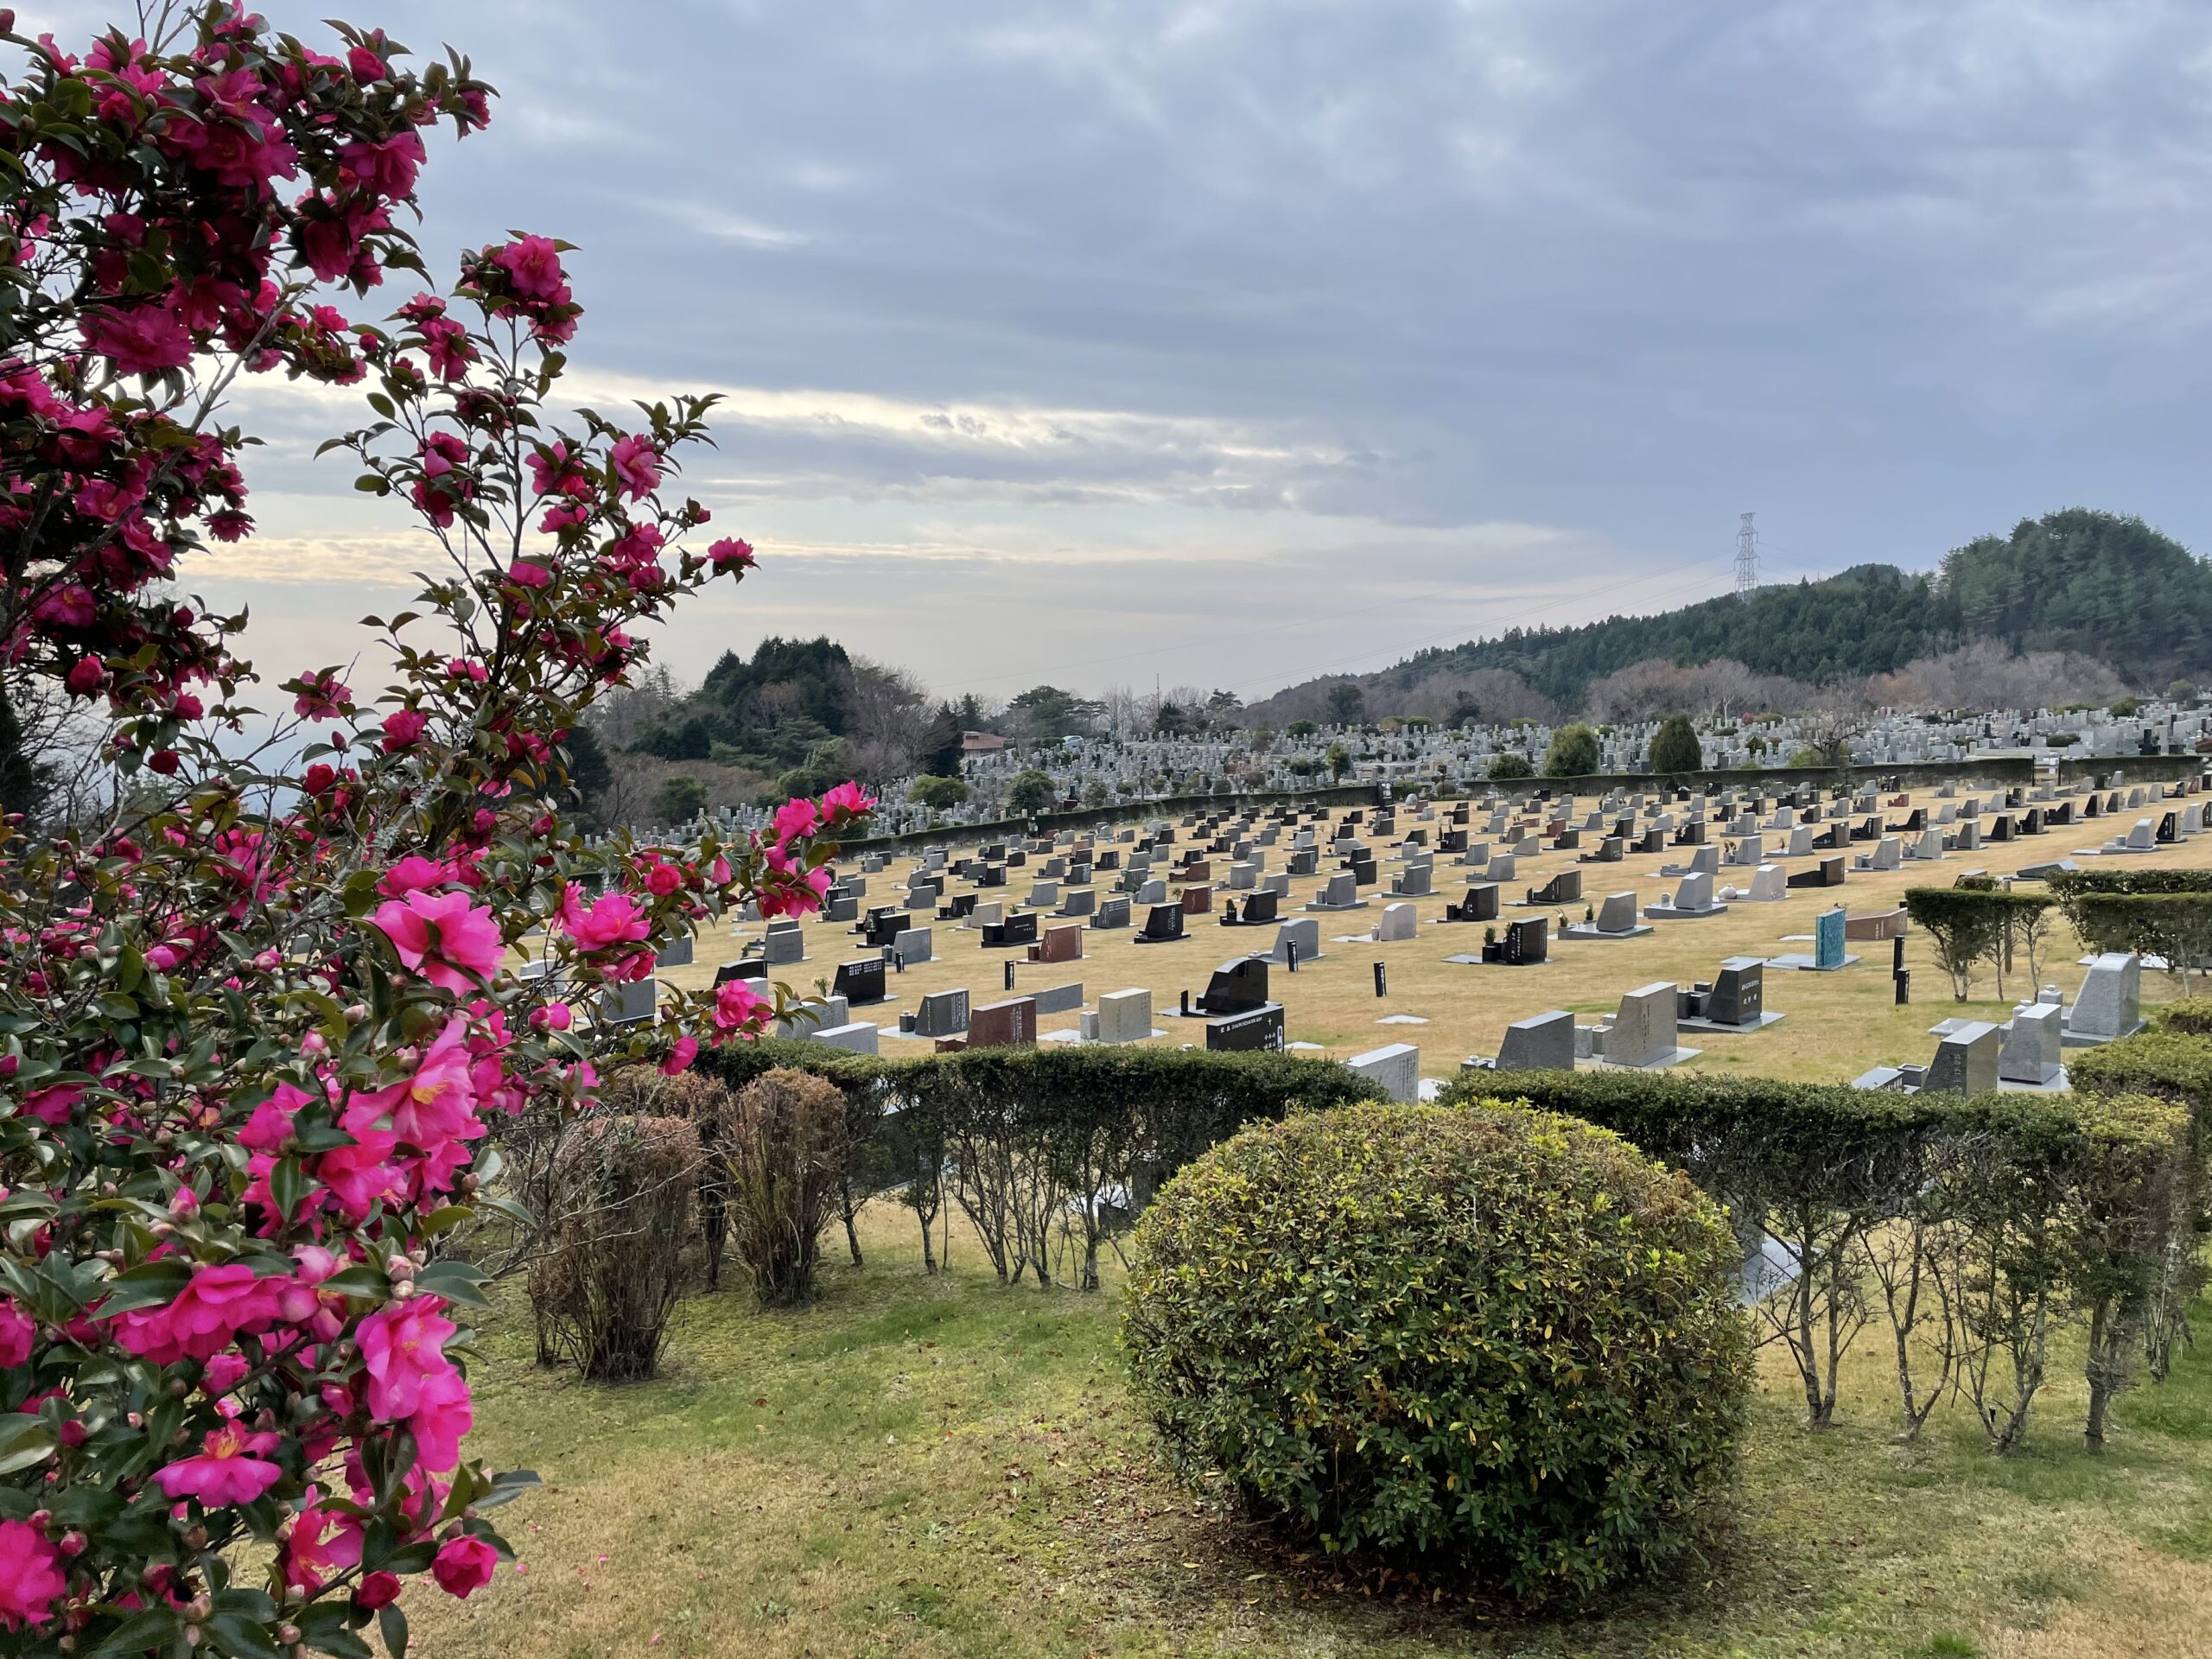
(2107, 587)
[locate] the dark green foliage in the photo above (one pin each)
(2100, 583)
(1346, 702)
(1496, 1342)
(1031, 792)
(1045, 714)
(2097, 582)
(769, 712)
(23, 781)
(937, 793)
(1674, 748)
(1871, 621)
(1574, 754)
(941, 755)
(589, 769)
(1505, 767)
(679, 799)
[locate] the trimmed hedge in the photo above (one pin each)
(1493, 1342)
(1048, 1152)
(1979, 1223)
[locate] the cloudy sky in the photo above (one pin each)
(1233, 342)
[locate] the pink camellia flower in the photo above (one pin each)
(848, 801)
(225, 1473)
(612, 919)
(636, 466)
(680, 1057)
(144, 340)
(464, 1563)
(378, 1590)
(797, 817)
(738, 1006)
(412, 873)
(323, 1542)
(443, 937)
(524, 573)
(16, 1332)
(222, 1374)
(402, 1345)
(207, 1317)
(403, 727)
(55, 1103)
(441, 1416)
(438, 1103)
(322, 697)
(731, 554)
(31, 1579)
(533, 267)
(70, 607)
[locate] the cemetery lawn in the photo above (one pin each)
(944, 1466)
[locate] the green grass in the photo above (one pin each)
(943, 1466)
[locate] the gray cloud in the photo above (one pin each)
(1233, 339)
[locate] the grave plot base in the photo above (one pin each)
(1809, 964)
(1476, 962)
(1356, 904)
(1685, 1022)
(1583, 930)
(1676, 1059)
(2085, 1039)
(1669, 913)
(2056, 1083)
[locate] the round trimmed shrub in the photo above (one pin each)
(1486, 1340)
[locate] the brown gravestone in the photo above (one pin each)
(1010, 1024)
(1197, 901)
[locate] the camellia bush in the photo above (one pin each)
(1499, 1345)
(273, 1094)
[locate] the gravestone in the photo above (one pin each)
(1396, 1068)
(1079, 901)
(1058, 944)
(857, 1038)
(1396, 922)
(1198, 900)
(1615, 920)
(2110, 1002)
(910, 947)
(1162, 923)
(1524, 945)
(753, 967)
(781, 946)
(1238, 986)
(1258, 1031)
(2034, 1044)
(1544, 1042)
(1415, 882)
(1340, 894)
(1111, 913)
(677, 953)
(816, 1015)
(1735, 1001)
(1009, 1023)
(1642, 1035)
(860, 981)
(1692, 898)
(1479, 906)
(1966, 1061)
(1123, 1017)
(1152, 891)
(1301, 931)
(942, 1013)
(628, 1002)
(1058, 999)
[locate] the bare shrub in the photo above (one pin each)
(601, 1294)
(783, 1156)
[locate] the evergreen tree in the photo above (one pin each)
(1674, 748)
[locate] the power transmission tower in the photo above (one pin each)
(1747, 557)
